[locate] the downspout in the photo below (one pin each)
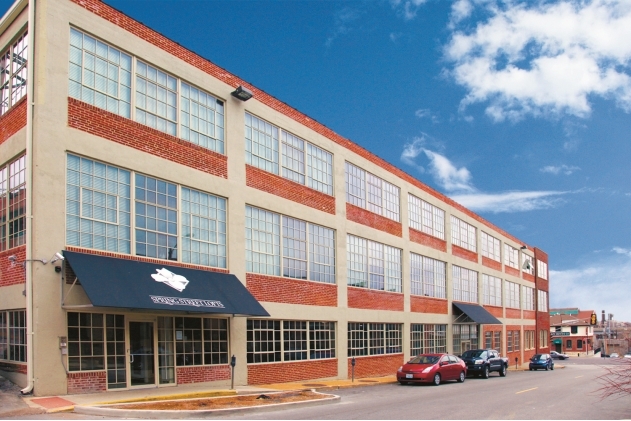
(30, 83)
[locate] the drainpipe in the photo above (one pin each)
(30, 82)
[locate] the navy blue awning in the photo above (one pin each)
(121, 283)
(477, 313)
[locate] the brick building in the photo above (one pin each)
(571, 331)
(197, 225)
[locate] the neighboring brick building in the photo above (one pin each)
(196, 226)
(571, 332)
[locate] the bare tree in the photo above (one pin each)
(616, 382)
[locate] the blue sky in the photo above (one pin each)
(521, 111)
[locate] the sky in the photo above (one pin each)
(520, 111)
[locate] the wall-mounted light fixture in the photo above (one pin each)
(524, 247)
(242, 93)
(14, 260)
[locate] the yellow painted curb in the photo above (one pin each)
(60, 409)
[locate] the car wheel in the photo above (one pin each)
(462, 377)
(552, 367)
(403, 383)
(503, 371)
(486, 373)
(436, 379)
(546, 368)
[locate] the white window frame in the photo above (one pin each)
(463, 234)
(491, 290)
(512, 295)
(511, 256)
(13, 80)
(490, 246)
(542, 269)
(428, 277)
(542, 300)
(368, 260)
(529, 298)
(524, 258)
(465, 284)
(425, 217)
(367, 191)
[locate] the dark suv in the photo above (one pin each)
(481, 362)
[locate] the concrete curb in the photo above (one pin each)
(195, 414)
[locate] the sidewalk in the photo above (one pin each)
(64, 403)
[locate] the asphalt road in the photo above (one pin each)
(568, 393)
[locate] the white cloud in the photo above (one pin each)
(427, 113)
(598, 285)
(565, 169)
(407, 8)
(459, 180)
(460, 9)
(515, 201)
(621, 250)
(394, 36)
(543, 58)
(343, 20)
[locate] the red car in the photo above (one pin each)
(432, 368)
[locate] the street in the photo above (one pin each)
(565, 393)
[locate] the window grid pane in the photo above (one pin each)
(492, 290)
(465, 284)
(427, 339)
(293, 158)
(202, 118)
(156, 218)
(529, 297)
(4, 348)
(463, 234)
(203, 228)
(294, 248)
(321, 254)
(319, 169)
(357, 339)
(490, 246)
(294, 340)
(512, 295)
(99, 74)
(215, 341)
(3, 208)
(427, 276)
(262, 233)
(98, 206)
(376, 339)
(357, 255)
(261, 144)
(321, 340)
(156, 98)
(116, 357)
(263, 341)
(188, 341)
(86, 342)
(355, 185)
(391, 194)
(13, 73)
(374, 189)
(17, 202)
(511, 256)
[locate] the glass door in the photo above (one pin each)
(465, 346)
(141, 354)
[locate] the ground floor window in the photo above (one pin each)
(427, 339)
(493, 340)
(579, 344)
(465, 337)
(568, 344)
(543, 338)
(529, 339)
(289, 340)
(374, 338)
(13, 335)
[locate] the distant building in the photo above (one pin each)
(570, 331)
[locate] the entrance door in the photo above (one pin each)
(141, 354)
(465, 346)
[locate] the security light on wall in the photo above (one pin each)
(524, 248)
(242, 93)
(527, 265)
(57, 256)
(14, 260)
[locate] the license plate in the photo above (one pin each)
(409, 376)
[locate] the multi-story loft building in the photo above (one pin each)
(197, 224)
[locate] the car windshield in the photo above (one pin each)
(474, 354)
(424, 359)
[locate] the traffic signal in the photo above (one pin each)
(593, 320)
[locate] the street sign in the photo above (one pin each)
(560, 333)
(593, 320)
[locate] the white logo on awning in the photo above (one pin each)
(193, 302)
(171, 279)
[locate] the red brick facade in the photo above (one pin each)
(291, 291)
(13, 121)
(490, 263)
(121, 130)
(513, 313)
(529, 314)
(374, 300)
(528, 277)
(86, 382)
(495, 311)
(370, 219)
(427, 240)
(428, 305)
(464, 253)
(515, 354)
(143, 259)
(203, 373)
(13, 367)
(374, 366)
(12, 274)
(291, 371)
(287, 189)
(511, 271)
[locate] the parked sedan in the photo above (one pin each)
(543, 361)
(614, 355)
(558, 356)
(432, 368)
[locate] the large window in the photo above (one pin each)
(427, 276)
(307, 252)
(86, 342)
(295, 159)
(465, 337)
(13, 73)
(370, 192)
(465, 284)
(543, 338)
(542, 269)
(156, 98)
(492, 340)
(99, 74)
(491, 290)
(529, 339)
(463, 234)
(427, 339)
(542, 300)
(98, 215)
(373, 265)
(511, 256)
(13, 335)
(98, 209)
(13, 204)
(202, 118)
(301, 340)
(512, 295)
(426, 217)
(528, 295)
(490, 246)
(374, 338)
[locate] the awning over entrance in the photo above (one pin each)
(120, 283)
(477, 313)
(557, 341)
